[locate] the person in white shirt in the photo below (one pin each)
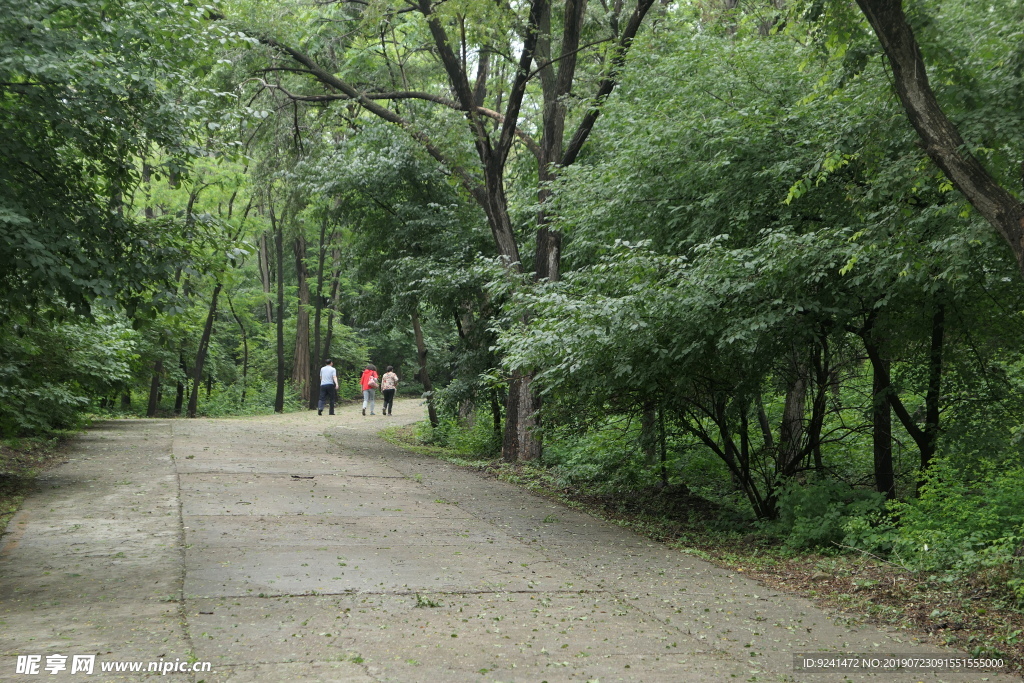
(328, 387)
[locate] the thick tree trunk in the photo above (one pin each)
(154, 388)
(941, 138)
(421, 355)
(300, 362)
(204, 345)
(279, 251)
(519, 441)
(881, 433)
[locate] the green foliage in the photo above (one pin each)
(816, 515)
(473, 438)
(66, 167)
(51, 368)
(605, 458)
(963, 520)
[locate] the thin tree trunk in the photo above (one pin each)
(179, 398)
(335, 282)
(421, 355)
(661, 443)
(204, 344)
(931, 399)
(264, 262)
(300, 362)
(318, 358)
(791, 431)
(279, 251)
(245, 350)
(649, 433)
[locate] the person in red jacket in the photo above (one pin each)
(369, 383)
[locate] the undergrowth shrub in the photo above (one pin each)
(226, 399)
(814, 515)
(473, 437)
(606, 459)
(964, 521)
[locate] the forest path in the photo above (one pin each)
(304, 548)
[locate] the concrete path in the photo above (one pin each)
(304, 548)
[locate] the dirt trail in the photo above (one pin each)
(304, 548)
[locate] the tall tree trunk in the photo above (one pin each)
(179, 397)
(204, 345)
(245, 350)
(519, 441)
(791, 431)
(421, 355)
(881, 433)
(264, 262)
(661, 443)
(332, 304)
(931, 399)
(154, 388)
(649, 432)
(941, 138)
(279, 252)
(300, 362)
(318, 301)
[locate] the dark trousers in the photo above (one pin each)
(389, 400)
(327, 393)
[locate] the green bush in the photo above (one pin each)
(606, 458)
(963, 521)
(814, 515)
(226, 399)
(473, 438)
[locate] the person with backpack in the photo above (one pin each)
(369, 383)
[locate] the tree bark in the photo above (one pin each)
(245, 350)
(300, 363)
(333, 303)
(264, 263)
(154, 388)
(279, 251)
(941, 138)
(931, 399)
(204, 345)
(791, 431)
(519, 441)
(179, 397)
(318, 357)
(421, 355)
(881, 432)
(649, 432)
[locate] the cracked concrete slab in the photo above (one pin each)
(304, 548)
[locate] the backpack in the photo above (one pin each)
(372, 383)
